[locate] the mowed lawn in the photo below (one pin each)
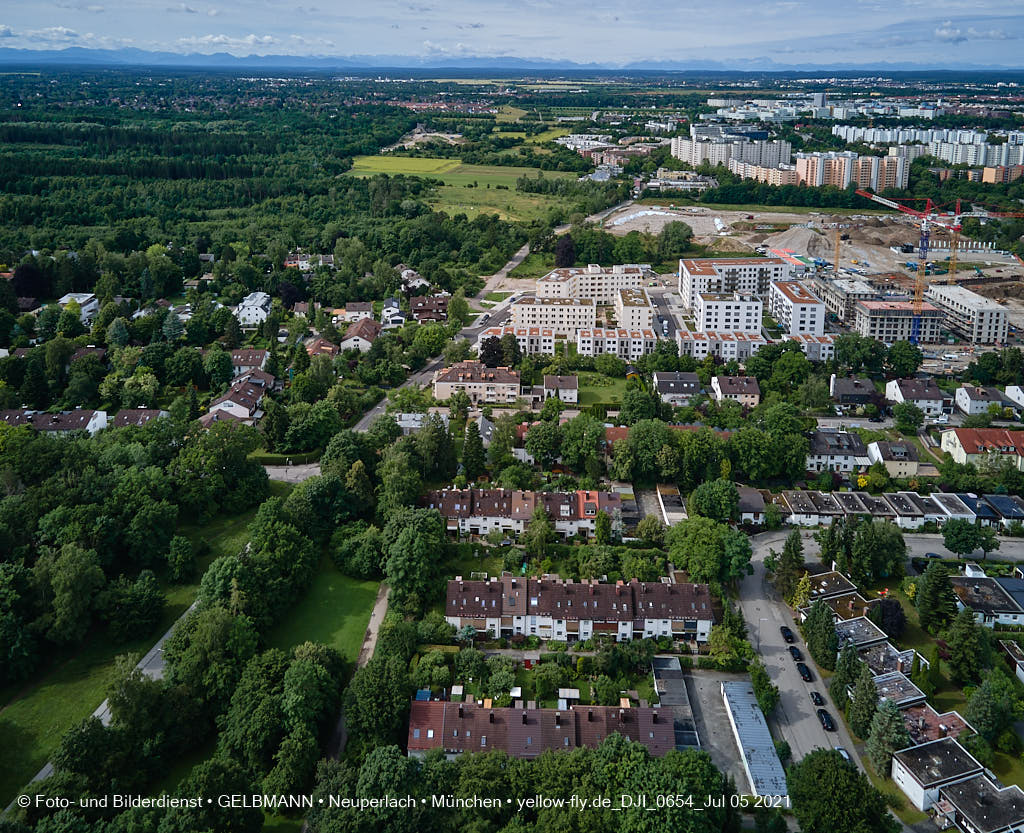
(334, 611)
(596, 388)
(35, 716)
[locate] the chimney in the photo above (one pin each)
(590, 715)
(460, 710)
(558, 718)
(490, 717)
(524, 718)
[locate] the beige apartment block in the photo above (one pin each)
(633, 309)
(565, 316)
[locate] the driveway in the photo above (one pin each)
(795, 717)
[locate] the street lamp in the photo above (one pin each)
(759, 621)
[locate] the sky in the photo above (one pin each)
(604, 32)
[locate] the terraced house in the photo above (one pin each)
(551, 608)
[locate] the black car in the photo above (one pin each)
(827, 723)
(787, 634)
(817, 699)
(795, 653)
(932, 555)
(805, 672)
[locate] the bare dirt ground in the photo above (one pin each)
(811, 234)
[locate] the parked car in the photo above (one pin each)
(817, 699)
(843, 753)
(827, 723)
(795, 653)
(932, 555)
(787, 634)
(805, 672)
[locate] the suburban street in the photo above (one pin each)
(795, 717)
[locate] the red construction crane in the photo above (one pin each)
(929, 216)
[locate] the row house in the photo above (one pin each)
(61, 423)
(835, 450)
(551, 608)
(723, 345)
(478, 511)
(531, 340)
(526, 733)
(626, 344)
(245, 360)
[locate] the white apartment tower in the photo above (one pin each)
(797, 310)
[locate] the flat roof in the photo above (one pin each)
(530, 300)
(634, 298)
(896, 686)
(831, 583)
(797, 292)
(952, 292)
(984, 595)
(985, 807)
(859, 631)
(760, 760)
(937, 761)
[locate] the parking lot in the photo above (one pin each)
(712, 722)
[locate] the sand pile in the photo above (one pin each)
(803, 241)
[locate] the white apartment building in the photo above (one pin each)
(728, 313)
(843, 168)
(797, 310)
(531, 340)
(565, 316)
(718, 151)
(977, 154)
(726, 346)
(891, 321)
(976, 318)
(626, 344)
(601, 283)
(633, 309)
(743, 275)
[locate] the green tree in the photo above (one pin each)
(790, 565)
(878, 551)
(399, 484)
(904, 358)
(934, 598)
(716, 499)
(473, 456)
(820, 633)
(961, 536)
(602, 528)
(544, 442)
(539, 533)
(861, 710)
(76, 579)
(846, 674)
(458, 309)
(651, 531)
(802, 593)
(766, 692)
(888, 734)
(994, 705)
(117, 333)
(828, 795)
(908, 417)
(968, 648)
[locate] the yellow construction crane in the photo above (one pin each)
(836, 270)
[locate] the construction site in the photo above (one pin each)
(866, 245)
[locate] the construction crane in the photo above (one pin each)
(929, 217)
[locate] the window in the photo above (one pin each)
(483, 740)
(416, 733)
(529, 741)
(430, 733)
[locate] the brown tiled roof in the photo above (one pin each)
(527, 733)
(246, 357)
(91, 350)
(738, 384)
(474, 371)
(918, 389)
(365, 328)
(561, 382)
(76, 420)
(135, 416)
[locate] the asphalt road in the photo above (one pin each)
(795, 717)
(420, 378)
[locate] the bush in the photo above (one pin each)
(783, 751)
(181, 560)
(980, 749)
(1008, 742)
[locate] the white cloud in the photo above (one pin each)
(183, 8)
(228, 42)
(949, 33)
(6, 31)
(54, 34)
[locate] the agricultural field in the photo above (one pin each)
(508, 205)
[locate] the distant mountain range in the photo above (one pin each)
(130, 57)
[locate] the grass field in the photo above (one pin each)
(468, 189)
(334, 611)
(36, 716)
(597, 388)
(535, 265)
(507, 113)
